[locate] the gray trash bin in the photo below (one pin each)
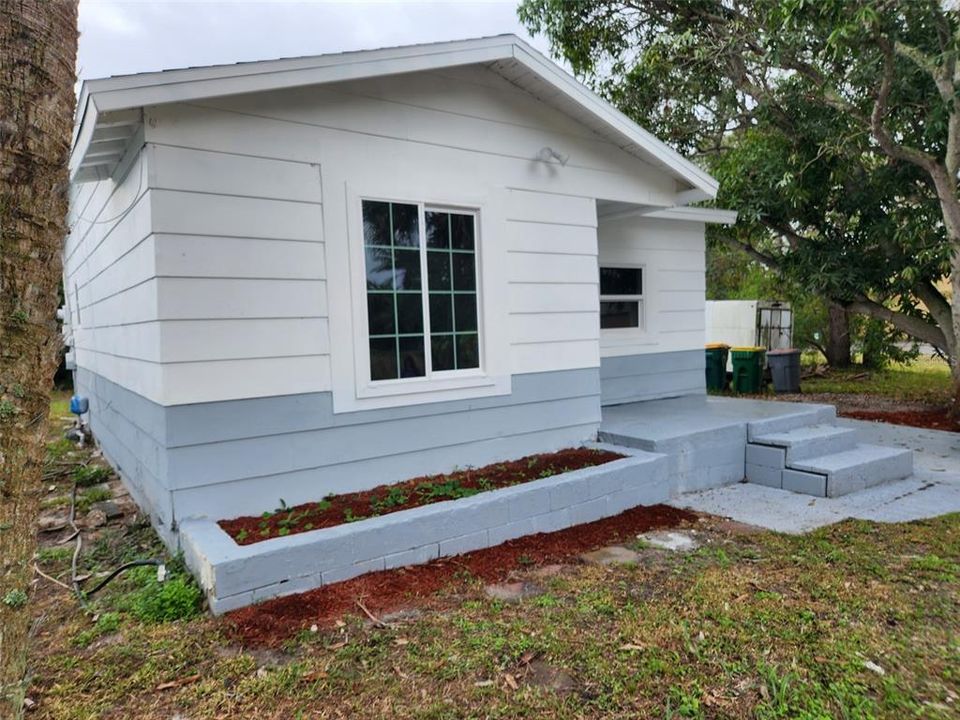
(785, 370)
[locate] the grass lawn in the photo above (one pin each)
(927, 380)
(859, 620)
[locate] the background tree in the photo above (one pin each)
(839, 116)
(38, 47)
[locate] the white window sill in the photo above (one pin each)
(421, 391)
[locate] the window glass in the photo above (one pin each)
(452, 284)
(620, 281)
(620, 314)
(399, 328)
(391, 234)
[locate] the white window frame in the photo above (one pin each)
(431, 381)
(641, 328)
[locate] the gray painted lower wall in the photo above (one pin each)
(229, 458)
(629, 378)
(131, 433)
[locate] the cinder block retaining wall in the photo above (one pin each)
(237, 575)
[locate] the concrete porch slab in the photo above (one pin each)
(932, 490)
(659, 421)
(705, 438)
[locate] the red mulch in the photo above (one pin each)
(272, 622)
(931, 419)
(409, 494)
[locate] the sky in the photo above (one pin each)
(128, 36)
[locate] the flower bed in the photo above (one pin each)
(386, 499)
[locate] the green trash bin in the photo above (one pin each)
(747, 369)
(716, 366)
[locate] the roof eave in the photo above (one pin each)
(121, 94)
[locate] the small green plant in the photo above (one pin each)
(176, 598)
(15, 599)
(58, 449)
(18, 318)
(395, 497)
(91, 496)
(52, 555)
(242, 535)
(8, 410)
(19, 391)
(87, 475)
(108, 622)
(348, 516)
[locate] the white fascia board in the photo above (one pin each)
(575, 90)
(715, 216)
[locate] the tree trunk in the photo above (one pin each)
(38, 46)
(838, 336)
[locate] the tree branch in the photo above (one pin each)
(880, 132)
(766, 260)
(913, 326)
(939, 308)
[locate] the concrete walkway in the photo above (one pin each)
(933, 489)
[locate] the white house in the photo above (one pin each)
(298, 277)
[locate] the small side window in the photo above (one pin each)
(621, 297)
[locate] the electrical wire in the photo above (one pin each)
(75, 581)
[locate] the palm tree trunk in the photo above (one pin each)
(38, 47)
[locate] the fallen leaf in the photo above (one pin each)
(631, 646)
(337, 645)
(873, 667)
(313, 675)
(511, 681)
(527, 657)
(178, 683)
(401, 641)
(483, 683)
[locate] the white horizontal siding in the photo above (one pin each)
(212, 381)
(198, 298)
(177, 168)
(289, 126)
(552, 279)
(672, 254)
(242, 301)
(232, 257)
(193, 213)
(109, 279)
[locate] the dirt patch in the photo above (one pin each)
(854, 402)
(931, 419)
(272, 622)
(385, 499)
(880, 409)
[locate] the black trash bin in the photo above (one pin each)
(785, 369)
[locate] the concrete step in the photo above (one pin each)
(809, 415)
(856, 469)
(810, 441)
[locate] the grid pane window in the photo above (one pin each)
(391, 238)
(420, 324)
(452, 287)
